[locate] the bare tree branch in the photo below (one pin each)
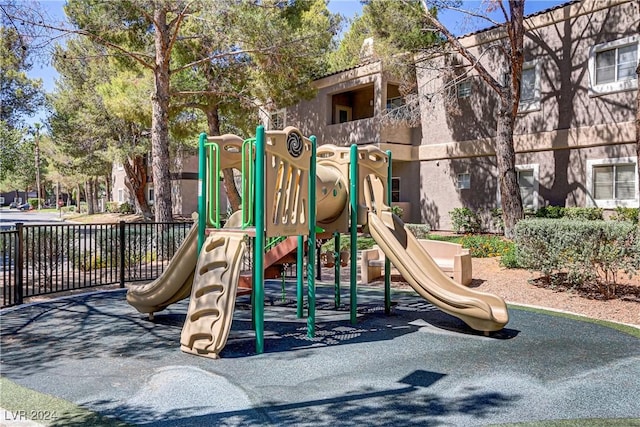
(462, 51)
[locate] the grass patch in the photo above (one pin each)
(48, 410)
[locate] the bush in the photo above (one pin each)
(113, 207)
(591, 214)
(421, 231)
(626, 214)
(464, 220)
(125, 208)
(586, 251)
(485, 246)
(509, 258)
(550, 212)
(87, 262)
(34, 202)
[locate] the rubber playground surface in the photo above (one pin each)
(94, 360)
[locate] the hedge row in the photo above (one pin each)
(586, 251)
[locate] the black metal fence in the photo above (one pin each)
(44, 259)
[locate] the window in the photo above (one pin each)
(612, 182)
(395, 189)
(343, 114)
(150, 194)
(530, 87)
(277, 120)
(395, 102)
(464, 181)
(612, 66)
(464, 89)
(120, 195)
(527, 193)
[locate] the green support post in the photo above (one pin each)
(353, 228)
(311, 264)
(300, 277)
(202, 189)
(258, 258)
(336, 267)
(387, 262)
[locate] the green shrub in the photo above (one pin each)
(485, 246)
(509, 258)
(421, 231)
(34, 202)
(398, 211)
(125, 208)
(591, 214)
(626, 214)
(587, 251)
(345, 243)
(89, 262)
(113, 207)
(550, 212)
(464, 220)
(445, 238)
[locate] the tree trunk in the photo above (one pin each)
(136, 181)
(511, 201)
(160, 119)
(638, 129)
(233, 195)
(88, 196)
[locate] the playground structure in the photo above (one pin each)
(290, 191)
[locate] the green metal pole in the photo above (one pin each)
(336, 267)
(311, 261)
(387, 262)
(202, 189)
(300, 277)
(353, 201)
(258, 258)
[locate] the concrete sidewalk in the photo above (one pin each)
(417, 366)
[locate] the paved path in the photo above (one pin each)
(417, 366)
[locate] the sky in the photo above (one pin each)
(348, 8)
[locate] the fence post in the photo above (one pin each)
(122, 252)
(18, 294)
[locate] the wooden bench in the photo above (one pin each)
(452, 259)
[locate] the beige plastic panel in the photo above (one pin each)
(481, 311)
(213, 295)
(373, 170)
(288, 155)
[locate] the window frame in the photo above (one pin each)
(464, 88)
(618, 85)
(611, 203)
(535, 167)
(151, 194)
(282, 112)
(392, 191)
(347, 109)
(460, 183)
(534, 103)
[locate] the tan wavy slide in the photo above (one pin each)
(213, 295)
(481, 311)
(174, 284)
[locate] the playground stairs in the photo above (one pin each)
(282, 253)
